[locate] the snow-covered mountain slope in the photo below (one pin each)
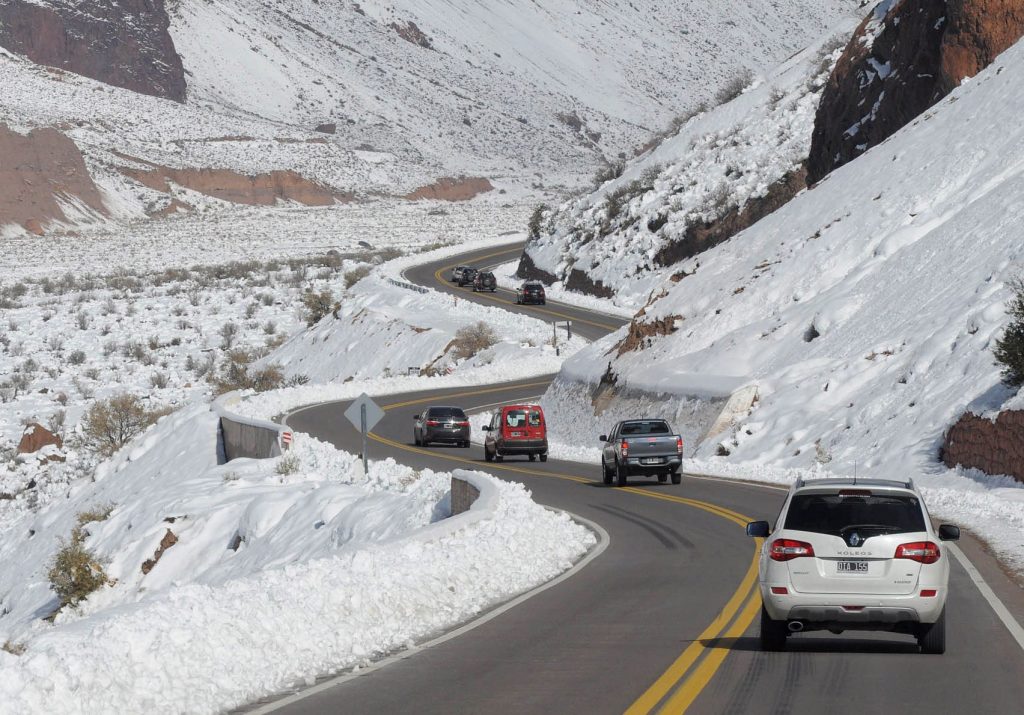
(865, 309)
(724, 169)
(404, 93)
(483, 84)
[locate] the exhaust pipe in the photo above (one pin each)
(796, 626)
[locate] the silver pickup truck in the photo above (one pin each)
(637, 447)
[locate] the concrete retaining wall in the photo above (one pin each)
(464, 494)
(993, 447)
(244, 436)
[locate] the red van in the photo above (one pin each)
(517, 429)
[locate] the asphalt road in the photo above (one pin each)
(665, 619)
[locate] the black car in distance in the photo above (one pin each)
(531, 292)
(485, 280)
(441, 424)
(467, 276)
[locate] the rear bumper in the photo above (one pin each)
(530, 300)
(670, 464)
(442, 435)
(852, 610)
(524, 446)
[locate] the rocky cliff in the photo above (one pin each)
(42, 174)
(905, 57)
(124, 43)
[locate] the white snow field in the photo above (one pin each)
(864, 311)
(276, 577)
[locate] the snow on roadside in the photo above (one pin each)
(506, 275)
(274, 578)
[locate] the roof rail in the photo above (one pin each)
(910, 483)
(799, 483)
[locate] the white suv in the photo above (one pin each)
(854, 554)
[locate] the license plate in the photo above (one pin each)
(852, 567)
(651, 460)
(517, 434)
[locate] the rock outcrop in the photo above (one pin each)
(462, 188)
(994, 447)
(125, 44)
(38, 172)
(36, 437)
(227, 185)
(905, 57)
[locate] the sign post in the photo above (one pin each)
(364, 414)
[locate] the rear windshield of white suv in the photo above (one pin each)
(836, 514)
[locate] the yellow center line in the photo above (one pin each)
(683, 698)
(707, 659)
(677, 671)
(496, 299)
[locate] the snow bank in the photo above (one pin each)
(275, 578)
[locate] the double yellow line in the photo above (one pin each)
(496, 299)
(676, 689)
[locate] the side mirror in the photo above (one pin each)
(415, 417)
(948, 532)
(759, 529)
(486, 428)
(603, 438)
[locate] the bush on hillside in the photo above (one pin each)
(112, 423)
(471, 339)
(75, 571)
(734, 87)
(536, 221)
(236, 373)
(1009, 349)
(317, 305)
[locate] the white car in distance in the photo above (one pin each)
(854, 554)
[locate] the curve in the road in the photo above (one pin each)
(661, 621)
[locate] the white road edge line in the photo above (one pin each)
(1016, 631)
(603, 540)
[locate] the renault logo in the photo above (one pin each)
(855, 539)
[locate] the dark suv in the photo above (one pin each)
(485, 280)
(441, 424)
(467, 276)
(530, 292)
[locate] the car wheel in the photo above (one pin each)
(543, 302)
(620, 474)
(662, 477)
(487, 455)
(533, 457)
(498, 457)
(416, 439)
(773, 633)
(677, 477)
(544, 457)
(932, 636)
(606, 474)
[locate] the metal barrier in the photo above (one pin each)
(408, 286)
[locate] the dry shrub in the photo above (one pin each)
(357, 274)
(76, 571)
(13, 648)
(110, 424)
(317, 305)
(236, 373)
(471, 339)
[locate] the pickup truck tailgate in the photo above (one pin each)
(652, 446)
